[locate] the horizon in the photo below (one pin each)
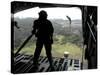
(49, 19)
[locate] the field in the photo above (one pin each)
(58, 48)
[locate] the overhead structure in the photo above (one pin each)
(17, 6)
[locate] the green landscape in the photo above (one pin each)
(64, 40)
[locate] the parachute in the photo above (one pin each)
(69, 19)
(69, 23)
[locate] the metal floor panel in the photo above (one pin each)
(24, 64)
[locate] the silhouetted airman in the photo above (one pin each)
(43, 30)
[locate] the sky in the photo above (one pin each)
(53, 13)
